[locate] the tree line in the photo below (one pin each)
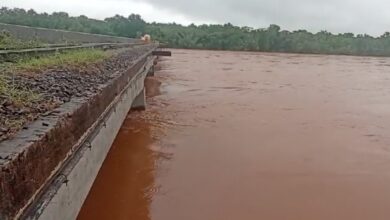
(131, 26)
(217, 37)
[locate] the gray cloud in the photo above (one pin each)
(358, 16)
(334, 15)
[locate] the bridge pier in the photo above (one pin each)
(139, 102)
(151, 70)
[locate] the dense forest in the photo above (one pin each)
(219, 37)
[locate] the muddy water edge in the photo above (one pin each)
(239, 135)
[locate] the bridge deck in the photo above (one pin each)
(31, 159)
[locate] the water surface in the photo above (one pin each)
(236, 135)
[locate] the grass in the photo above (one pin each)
(17, 96)
(68, 58)
(23, 96)
(7, 42)
(25, 99)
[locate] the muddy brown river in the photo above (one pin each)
(249, 136)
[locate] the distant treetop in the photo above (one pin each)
(214, 36)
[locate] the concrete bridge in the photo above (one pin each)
(47, 170)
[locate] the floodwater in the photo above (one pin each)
(238, 135)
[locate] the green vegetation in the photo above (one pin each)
(271, 39)
(68, 58)
(18, 96)
(8, 42)
(219, 37)
(132, 26)
(24, 104)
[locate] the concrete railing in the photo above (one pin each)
(59, 36)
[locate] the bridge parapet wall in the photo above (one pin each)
(34, 158)
(60, 36)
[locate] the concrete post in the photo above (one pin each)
(151, 71)
(139, 102)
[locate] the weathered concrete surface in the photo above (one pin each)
(30, 159)
(140, 101)
(60, 36)
(151, 71)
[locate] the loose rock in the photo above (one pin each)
(56, 86)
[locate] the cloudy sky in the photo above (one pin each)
(358, 16)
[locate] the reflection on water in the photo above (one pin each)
(237, 135)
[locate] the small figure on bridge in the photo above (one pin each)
(146, 38)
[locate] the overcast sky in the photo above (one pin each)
(358, 16)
